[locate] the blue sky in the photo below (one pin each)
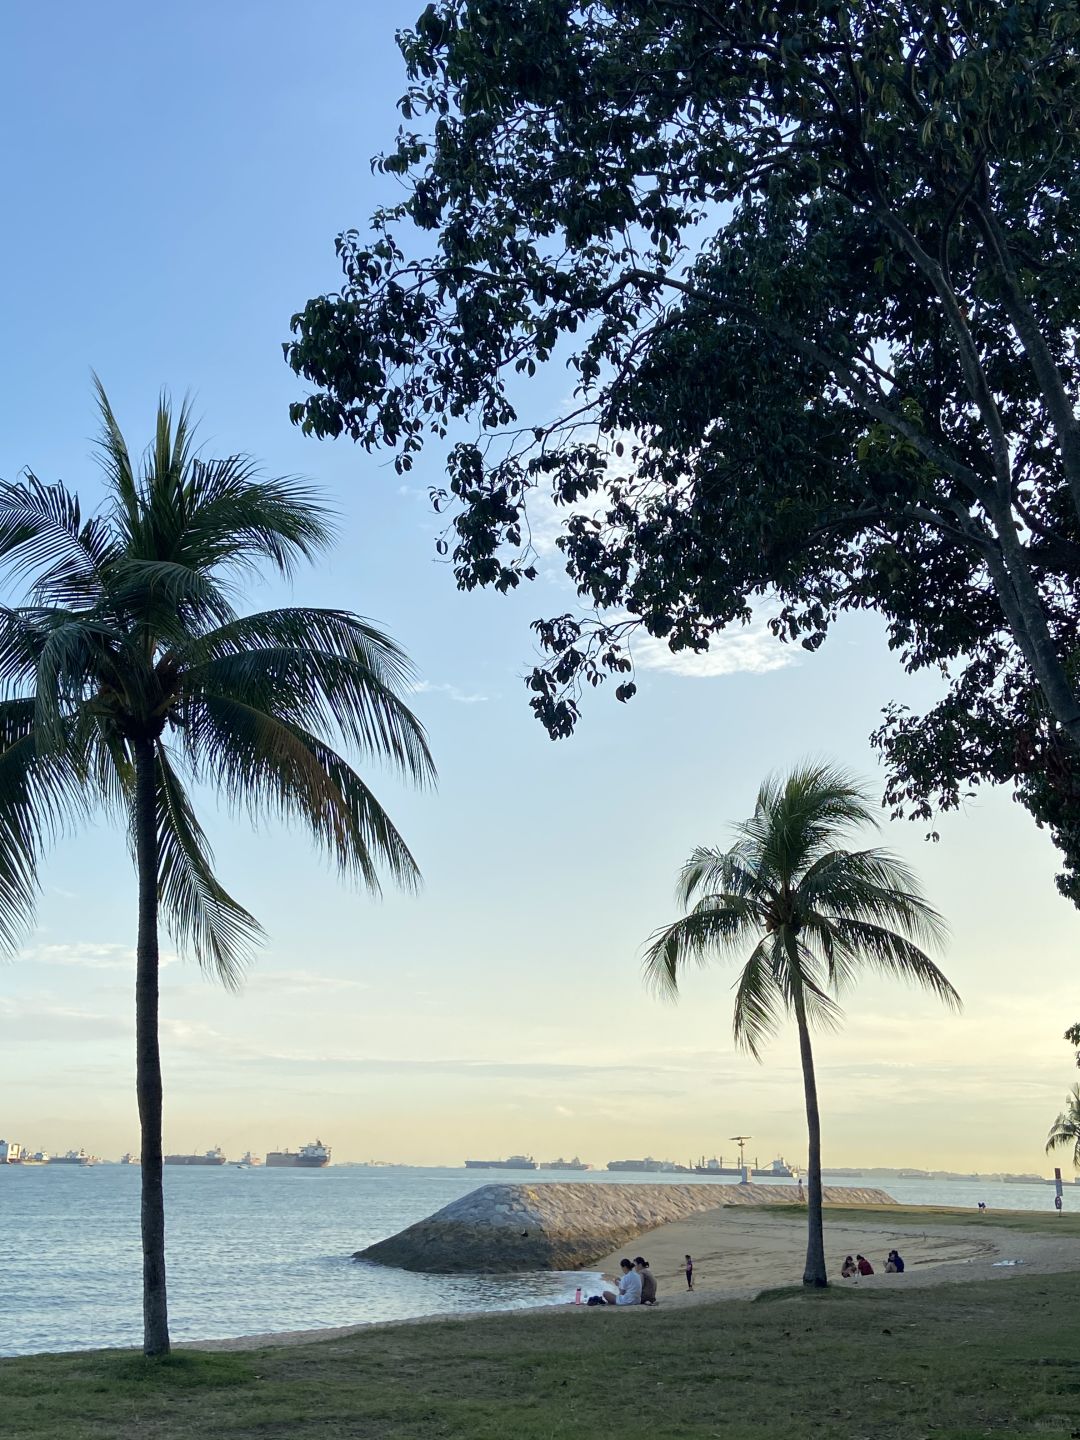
(174, 178)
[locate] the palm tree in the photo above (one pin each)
(129, 675)
(807, 915)
(1065, 1130)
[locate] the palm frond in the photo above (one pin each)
(852, 942)
(720, 872)
(172, 602)
(198, 911)
(114, 458)
(40, 794)
(42, 534)
(713, 928)
(237, 520)
(872, 885)
(273, 768)
(758, 1002)
(321, 671)
(800, 816)
(1065, 1130)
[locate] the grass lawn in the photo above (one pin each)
(956, 1362)
(918, 1217)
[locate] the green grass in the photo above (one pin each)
(1027, 1222)
(958, 1362)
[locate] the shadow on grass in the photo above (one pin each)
(189, 1370)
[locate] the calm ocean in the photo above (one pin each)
(251, 1251)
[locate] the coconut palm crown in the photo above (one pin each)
(128, 675)
(1065, 1131)
(804, 915)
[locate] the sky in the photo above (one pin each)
(174, 178)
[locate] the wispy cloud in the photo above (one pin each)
(452, 692)
(86, 955)
(302, 982)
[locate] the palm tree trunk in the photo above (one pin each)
(814, 1273)
(148, 1054)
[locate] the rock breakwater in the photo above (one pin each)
(500, 1229)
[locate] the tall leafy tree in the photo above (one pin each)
(806, 916)
(129, 675)
(1065, 1131)
(812, 267)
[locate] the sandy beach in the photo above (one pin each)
(739, 1252)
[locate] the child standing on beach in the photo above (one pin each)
(689, 1268)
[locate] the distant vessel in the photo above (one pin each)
(516, 1162)
(1024, 1180)
(561, 1164)
(848, 1174)
(208, 1157)
(648, 1166)
(73, 1157)
(129, 1159)
(249, 1159)
(308, 1157)
(10, 1152)
(717, 1167)
(779, 1169)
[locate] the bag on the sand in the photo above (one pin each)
(595, 1300)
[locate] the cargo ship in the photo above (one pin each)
(516, 1162)
(717, 1167)
(778, 1170)
(308, 1157)
(649, 1166)
(561, 1164)
(208, 1157)
(73, 1157)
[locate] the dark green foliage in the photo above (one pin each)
(812, 267)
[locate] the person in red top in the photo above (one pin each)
(865, 1268)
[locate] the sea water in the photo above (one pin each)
(254, 1250)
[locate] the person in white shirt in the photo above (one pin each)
(629, 1286)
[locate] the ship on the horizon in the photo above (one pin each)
(561, 1164)
(308, 1157)
(516, 1162)
(208, 1157)
(716, 1167)
(649, 1166)
(248, 1161)
(778, 1170)
(73, 1157)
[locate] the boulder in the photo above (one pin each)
(505, 1228)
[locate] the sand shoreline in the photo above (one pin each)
(738, 1253)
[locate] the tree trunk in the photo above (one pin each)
(148, 1055)
(814, 1273)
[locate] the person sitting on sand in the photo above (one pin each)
(849, 1268)
(629, 1286)
(648, 1281)
(865, 1268)
(894, 1265)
